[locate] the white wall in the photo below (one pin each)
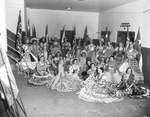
(146, 24)
(3, 40)
(57, 19)
(129, 13)
(12, 12)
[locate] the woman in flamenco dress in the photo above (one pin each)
(42, 76)
(96, 89)
(62, 83)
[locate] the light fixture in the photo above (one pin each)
(68, 8)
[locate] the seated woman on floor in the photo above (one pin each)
(62, 82)
(82, 61)
(50, 63)
(101, 62)
(55, 63)
(41, 77)
(92, 69)
(28, 61)
(112, 68)
(133, 63)
(128, 86)
(84, 74)
(74, 70)
(95, 89)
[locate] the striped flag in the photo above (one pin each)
(138, 49)
(19, 34)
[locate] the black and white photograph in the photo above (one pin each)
(75, 58)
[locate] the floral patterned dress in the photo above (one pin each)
(62, 82)
(41, 77)
(98, 91)
(133, 63)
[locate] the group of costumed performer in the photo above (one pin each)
(99, 73)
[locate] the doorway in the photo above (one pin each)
(122, 37)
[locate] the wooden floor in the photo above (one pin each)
(42, 102)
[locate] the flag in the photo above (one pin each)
(84, 42)
(73, 41)
(19, 34)
(46, 31)
(46, 34)
(85, 34)
(33, 31)
(128, 37)
(63, 34)
(28, 29)
(106, 36)
(138, 49)
(74, 31)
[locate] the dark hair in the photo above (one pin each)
(111, 57)
(74, 60)
(41, 39)
(40, 56)
(91, 65)
(83, 53)
(128, 69)
(102, 69)
(34, 41)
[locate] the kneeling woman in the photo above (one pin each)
(95, 89)
(41, 77)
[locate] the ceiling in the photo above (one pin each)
(76, 5)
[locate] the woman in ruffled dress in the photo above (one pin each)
(133, 63)
(62, 82)
(129, 86)
(50, 63)
(83, 61)
(95, 89)
(112, 68)
(74, 70)
(41, 77)
(28, 61)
